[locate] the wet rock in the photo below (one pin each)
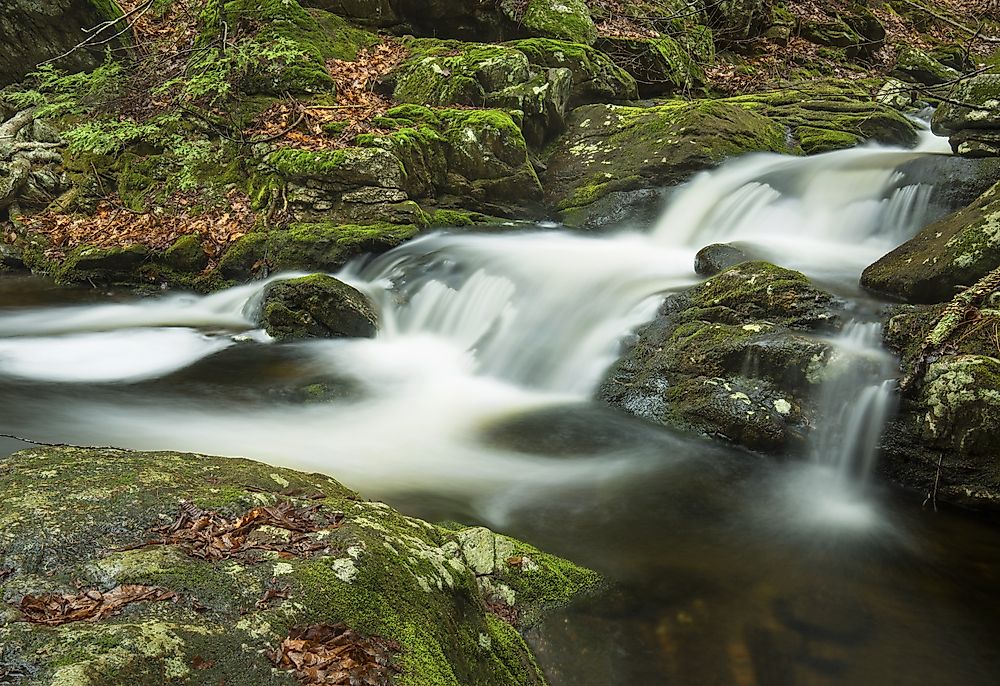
(37, 31)
(949, 254)
(76, 518)
(732, 358)
(608, 149)
(717, 257)
(916, 66)
(972, 116)
(942, 443)
(317, 306)
(954, 182)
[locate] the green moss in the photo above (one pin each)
(568, 20)
(456, 219)
(383, 574)
(441, 73)
(596, 77)
(815, 140)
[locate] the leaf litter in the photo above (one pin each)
(208, 535)
(335, 655)
(53, 609)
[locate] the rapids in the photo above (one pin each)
(474, 403)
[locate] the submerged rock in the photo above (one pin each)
(945, 256)
(317, 306)
(90, 524)
(731, 357)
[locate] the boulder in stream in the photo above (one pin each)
(732, 357)
(317, 306)
(121, 568)
(717, 257)
(944, 257)
(971, 117)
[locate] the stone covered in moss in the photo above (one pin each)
(82, 518)
(726, 359)
(567, 20)
(832, 115)
(971, 117)
(662, 65)
(951, 253)
(916, 66)
(596, 77)
(612, 149)
(323, 246)
(317, 306)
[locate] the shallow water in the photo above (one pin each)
(473, 404)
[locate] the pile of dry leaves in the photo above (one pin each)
(305, 126)
(112, 226)
(208, 535)
(53, 609)
(334, 655)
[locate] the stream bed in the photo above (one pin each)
(474, 404)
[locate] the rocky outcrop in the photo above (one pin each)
(31, 171)
(35, 31)
(971, 117)
(609, 150)
(943, 442)
(139, 568)
(317, 306)
(731, 358)
(945, 256)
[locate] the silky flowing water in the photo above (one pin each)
(474, 403)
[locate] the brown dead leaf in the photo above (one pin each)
(53, 609)
(334, 655)
(210, 536)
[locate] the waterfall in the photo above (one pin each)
(475, 328)
(855, 401)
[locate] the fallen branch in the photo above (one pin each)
(973, 32)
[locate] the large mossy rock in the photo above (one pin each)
(609, 150)
(663, 65)
(469, 159)
(916, 66)
(945, 256)
(832, 115)
(971, 117)
(730, 358)
(945, 432)
(596, 77)
(88, 520)
(317, 306)
(310, 247)
(37, 30)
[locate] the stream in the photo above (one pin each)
(473, 403)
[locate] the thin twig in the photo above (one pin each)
(59, 445)
(973, 32)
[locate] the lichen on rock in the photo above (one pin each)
(83, 515)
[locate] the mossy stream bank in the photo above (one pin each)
(75, 518)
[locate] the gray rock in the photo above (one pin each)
(717, 257)
(317, 306)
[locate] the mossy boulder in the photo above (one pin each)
(971, 118)
(736, 21)
(662, 65)
(945, 431)
(730, 358)
(472, 159)
(36, 31)
(317, 306)
(945, 256)
(916, 66)
(315, 247)
(88, 264)
(567, 20)
(610, 149)
(596, 77)
(87, 519)
(832, 115)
